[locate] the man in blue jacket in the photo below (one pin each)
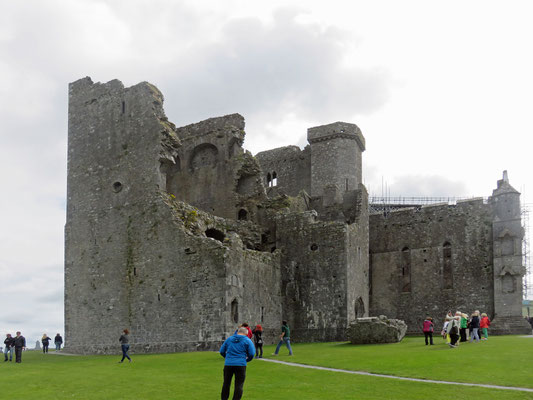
(237, 350)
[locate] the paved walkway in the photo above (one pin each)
(401, 378)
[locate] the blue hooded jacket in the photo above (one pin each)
(237, 350)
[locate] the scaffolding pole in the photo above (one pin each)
(528, 281)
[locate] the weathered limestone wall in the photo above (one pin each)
(137, 258)
(290, 165)
(110, 168)
(213, 172)
(425, 262)
(357, 244)
(318, 275)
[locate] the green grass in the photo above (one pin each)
(503, 360)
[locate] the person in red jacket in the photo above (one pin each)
(484, 325)
(245, 325)
(428, 330)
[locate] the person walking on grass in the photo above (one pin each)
(58, 341)
(453, 329)
(464, 326)
(474, 324)
(428, 330)
(484, 325)
(10, 347)
(258, 341)
(125, 345)
(285, 338)
(20, 344)
(45, 340)
(237, 350)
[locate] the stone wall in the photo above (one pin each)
(291, 167)
(212, 171)
(426, 261)
(322, 275)
(136, 257)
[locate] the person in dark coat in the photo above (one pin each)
(58, 341)
(45, 340)
(10, 347)
(20, 344)
(258, 341)
(125, 344)
(474, 324)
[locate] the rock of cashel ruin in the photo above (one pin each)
(179, 234)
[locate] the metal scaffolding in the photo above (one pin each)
(380, 204)
(528, 281)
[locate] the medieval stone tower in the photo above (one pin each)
(179, 234)
(171, 232)
(507, 235)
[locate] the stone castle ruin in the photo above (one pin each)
(179, 234)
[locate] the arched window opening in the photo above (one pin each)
(242, 215)
(203, 155)
(269, 180)
(215, 234)
(274, 179)
(406, 269)
(235, 311)
(447, 267)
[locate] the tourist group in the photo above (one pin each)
(18, 343)
(456, 326)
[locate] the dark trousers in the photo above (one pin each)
(125, 348)
(430, 336)
(259, 349)
(462, 332)
(18, 354)
(454, 338)
(240, 376)
(45, 348)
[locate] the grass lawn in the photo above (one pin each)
(502, 360)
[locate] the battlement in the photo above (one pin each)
(336, 130)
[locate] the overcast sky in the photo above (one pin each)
(441, 90)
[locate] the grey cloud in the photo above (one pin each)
(268, 70)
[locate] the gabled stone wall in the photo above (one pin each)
(428, 261)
